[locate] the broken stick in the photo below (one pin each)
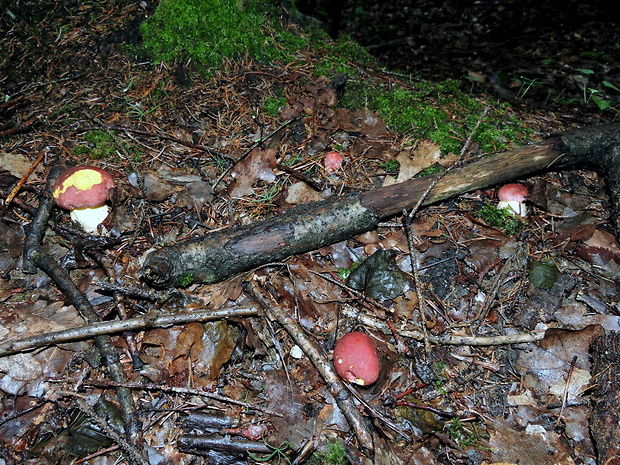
(217, 256)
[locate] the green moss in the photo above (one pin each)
(433, 169)
(101, 145)
(391, 166)
(186, 279)
(439, 112)
(501, 219)
(341, 57)
(207, 31)
(273, 104)
(335, 455)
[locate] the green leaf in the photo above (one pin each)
(602, 104)
(543, 274)
(584, 70)
(610, 85)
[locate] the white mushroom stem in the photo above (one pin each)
(90, 218)
(515, 207)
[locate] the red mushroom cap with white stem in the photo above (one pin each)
(332, 162)
(356, 359)
(513, 196)
(84, 191)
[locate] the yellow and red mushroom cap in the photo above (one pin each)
(83, 187)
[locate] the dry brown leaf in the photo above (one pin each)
(511, 446)
(548, 364)
(156, 188)
(301, 192)
(258, 165)
(171, 352)
(195, 195)
(425, 154)
(600, 248)
(18, 165)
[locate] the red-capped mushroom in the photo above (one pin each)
(332, 162)
(84, 191)
(356, 358)
(512, 197)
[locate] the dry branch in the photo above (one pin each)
(118, 326)
(222, 254)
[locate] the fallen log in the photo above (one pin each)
(222, 254)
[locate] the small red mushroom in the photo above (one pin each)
(512, 197)
(84, 191)
(332, 162)
(356, 358)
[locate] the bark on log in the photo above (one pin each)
(222, 254)
(605, 421)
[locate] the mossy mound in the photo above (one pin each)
(207, 31)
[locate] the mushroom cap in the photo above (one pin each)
(512, 192)
(356, 358)
(332, 162)
(83, 187)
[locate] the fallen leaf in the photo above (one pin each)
(195, 194)
(599, 248)
(18, 165)
(412, 162)
(548, 364)
(511, 446)
(258, 165)
(156, 188)
(301, 192)
(379, 276)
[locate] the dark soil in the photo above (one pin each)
(521, 51)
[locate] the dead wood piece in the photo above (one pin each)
(118, 326)
(225, 253)
(605, 421)
(199, 444)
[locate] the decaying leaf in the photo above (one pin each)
(560, 353)
(600, 248)
(18, 165)
(511, 446)
(171, 352)
(543, 274)
(156, 188)
(300, 192)
(195, 195)
(258, 165)
(379, 276)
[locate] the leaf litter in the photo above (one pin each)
(526, 403)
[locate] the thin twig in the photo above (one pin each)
(132, 454)
(414, 257)
(408, 217)
(119, 326)
(376, 323)
(178, 390)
